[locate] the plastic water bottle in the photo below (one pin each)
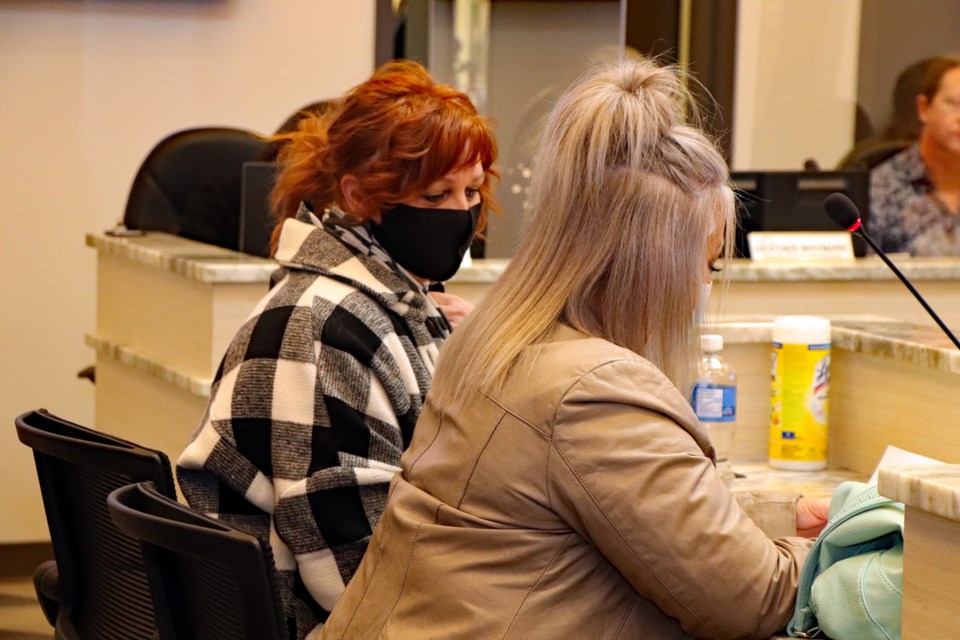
(714, 400)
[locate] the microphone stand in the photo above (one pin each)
(903, 279)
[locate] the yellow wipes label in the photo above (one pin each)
(800, 391)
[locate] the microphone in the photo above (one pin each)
(842, 211)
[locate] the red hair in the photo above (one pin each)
(398, 133)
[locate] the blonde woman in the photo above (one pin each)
(558, 484)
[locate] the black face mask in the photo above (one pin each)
(429, 243)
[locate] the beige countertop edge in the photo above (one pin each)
(760, 476)
(923, 345)
(208, 263)
(857, 338)
(193, 260)
(195, 385)
(934, 489)
(860, 269)
(741, 270)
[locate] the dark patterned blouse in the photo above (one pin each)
(906, 215)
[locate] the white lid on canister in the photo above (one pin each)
(801, 330)
(711, 342)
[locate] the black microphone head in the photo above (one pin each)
(841, 210)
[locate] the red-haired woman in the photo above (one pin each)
(317, 395)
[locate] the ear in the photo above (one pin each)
(923, 105)
(350, 188)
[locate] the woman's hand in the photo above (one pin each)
(812, 516)
(454, 307)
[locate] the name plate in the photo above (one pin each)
(800, 245)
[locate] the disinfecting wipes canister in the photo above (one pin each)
(800, 391)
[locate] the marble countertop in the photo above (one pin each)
(188, 258)
(868, 268)
(208, 263)
(811, 484)
(743, 270)
(934, 489)
(889, 338)
(925, 345)
(875, 335)
(759, 476)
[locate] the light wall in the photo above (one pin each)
(796, 82)
(86, 89)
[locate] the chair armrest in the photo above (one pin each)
(46, 580)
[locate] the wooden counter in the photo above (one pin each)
(859, 286)
(892, 382)
(931, 549)
(864, 285)
(167, 308)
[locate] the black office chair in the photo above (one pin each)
(208, 580)
(189, 184)
(97, 586)
(870, 153)
(178, 166)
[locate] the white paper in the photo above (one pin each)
(894, 456)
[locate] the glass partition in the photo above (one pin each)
(514, 59)
(795, 83)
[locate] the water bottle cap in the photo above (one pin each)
(711, 342)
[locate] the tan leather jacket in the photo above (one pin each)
(579, 502)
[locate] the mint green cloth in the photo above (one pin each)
(852, 583)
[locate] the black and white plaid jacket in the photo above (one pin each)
(312, 405)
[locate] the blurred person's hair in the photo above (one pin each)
(934, 76)
(904, 124)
